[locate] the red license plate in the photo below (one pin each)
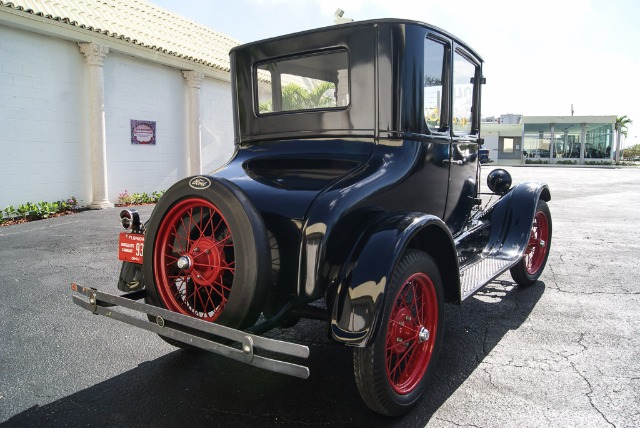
(130, 247)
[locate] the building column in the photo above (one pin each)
(94, 56)
(552, 145)
(194, 135)
(583, 142)
(615, 132)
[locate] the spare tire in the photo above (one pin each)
(206, 253)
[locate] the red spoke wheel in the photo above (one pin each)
(393, 371)
(206, 254)
(529, 268)
(195, 259)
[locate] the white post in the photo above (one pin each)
(194, 140)
(552, 146)
(583, 142)
(617, 126)
(94, 56)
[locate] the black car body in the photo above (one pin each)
(353, 196)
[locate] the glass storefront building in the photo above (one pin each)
(578, 139)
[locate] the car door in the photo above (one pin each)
(435, 127)
(465, 130)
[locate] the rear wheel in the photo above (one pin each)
(527, 271)
(207, 255)
(392, 373)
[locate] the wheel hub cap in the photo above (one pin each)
(423, 334)
(203, 261)
(184, 263)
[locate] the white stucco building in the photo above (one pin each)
(74, 75)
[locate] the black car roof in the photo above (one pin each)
(370, 22)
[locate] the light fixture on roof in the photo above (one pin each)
(338, 19)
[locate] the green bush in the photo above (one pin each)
(536, 162)
(125, 198)
(597, 162)
(37, 211)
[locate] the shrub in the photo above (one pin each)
(37, 211)
(125, 198)
(597, 162)
(536, 162)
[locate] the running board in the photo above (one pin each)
(105, 304)
(480, 272)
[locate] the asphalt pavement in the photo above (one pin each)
(562, 353)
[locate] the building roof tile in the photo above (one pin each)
(139, 22)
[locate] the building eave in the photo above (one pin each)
(21, 20)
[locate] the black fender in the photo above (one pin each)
(512, 218)
(361, 291)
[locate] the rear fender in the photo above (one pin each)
(361, 291)
(512, 218)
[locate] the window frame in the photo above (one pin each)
(276, 84)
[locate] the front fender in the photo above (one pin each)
(365, 277)
(511, 220)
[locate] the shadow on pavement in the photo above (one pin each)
(196, 389)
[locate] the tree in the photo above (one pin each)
(621, 129)
(621, 124)
(295, 97)
(632, 152)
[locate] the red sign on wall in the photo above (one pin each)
(143, 132)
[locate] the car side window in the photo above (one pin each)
(464, 72)
(433, 83)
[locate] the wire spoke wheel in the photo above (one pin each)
(195, 259)
(527, 271)
(206, 254)
(409, 343)
(536, 251)
(393, 371)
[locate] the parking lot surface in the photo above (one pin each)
(564, 352)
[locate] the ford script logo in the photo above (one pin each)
(199, 182)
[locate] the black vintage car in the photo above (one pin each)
(353, 197)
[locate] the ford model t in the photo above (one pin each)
(352, 196)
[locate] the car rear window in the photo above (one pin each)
(317, 81)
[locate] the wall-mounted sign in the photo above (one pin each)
(143, 132)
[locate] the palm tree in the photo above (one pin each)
(621, 129)
(295, 97)
(621, 124)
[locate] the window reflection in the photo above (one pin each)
(433, 72)
(463, 75)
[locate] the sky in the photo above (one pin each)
(541, 57)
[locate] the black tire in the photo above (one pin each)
(222, 241)
(395, 391)
(527, 271)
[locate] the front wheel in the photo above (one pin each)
(392, 372)
(527, 271)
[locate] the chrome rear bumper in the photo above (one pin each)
(108, 304)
